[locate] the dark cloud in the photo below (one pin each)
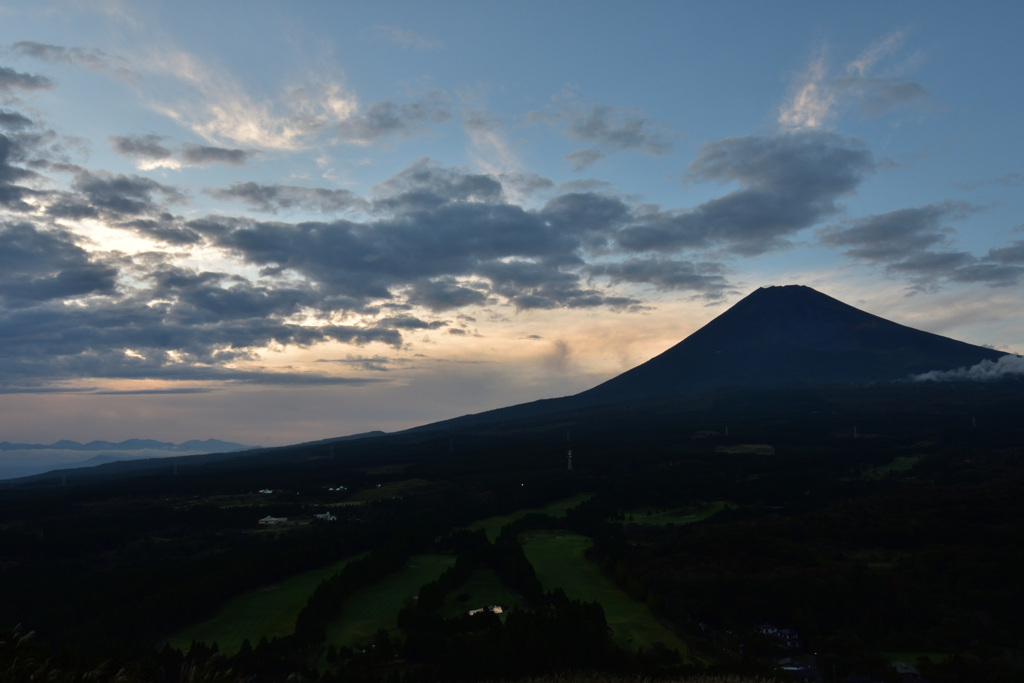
(704, 277)
(991, 274)
(430, 238)
(89, 58)
(124, 196)
(442, 239)
(789, 182)
(913, 243)
(929, 265)
(929, 270)
(70, 208)
(370, 260)
(201, 155)
(424, 186)
(591, 217)
(271, 198)
(368, 363)
(140, 146)
(14, 150)
(12, 120)
(166, 229)
(209, 297)
(408, 322)
(1012, 255)
(531, 284)
(186, 325)
(388, 119)
(152, 392)
(583, 159)
(446, 293)
(11, 80)
(150, 147)
(612, 128)
(38, 266)
(893, 236)
(525, 184)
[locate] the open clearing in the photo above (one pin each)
(900, 463)
(492, 525)
(559, 561)
(269, 611)
(687, 515)
(377, 606)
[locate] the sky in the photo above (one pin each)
(271, 222)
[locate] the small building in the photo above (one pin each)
(494, 609)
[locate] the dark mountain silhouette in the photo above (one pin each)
(787, 336)
(790, 336)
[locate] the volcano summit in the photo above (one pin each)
(791, 335)
(775, 337)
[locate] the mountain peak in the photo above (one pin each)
(779, 336)
(787, 336)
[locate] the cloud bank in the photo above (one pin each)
(986, 370)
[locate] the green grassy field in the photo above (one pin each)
(492, 525)
(269, 611)
(377, 606)
(559, 562)
(687, 515)
(900, 463)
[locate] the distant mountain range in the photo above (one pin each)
(193, 446)
(28, 459)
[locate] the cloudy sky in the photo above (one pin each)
(276, 222)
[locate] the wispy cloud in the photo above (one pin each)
(816, 95)
(217, 108)
(614, 129)
(392, 120)
(812, 100)
(207, 100)
(275, 197)
(583, 159)
(405, 38)
(92, 59)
